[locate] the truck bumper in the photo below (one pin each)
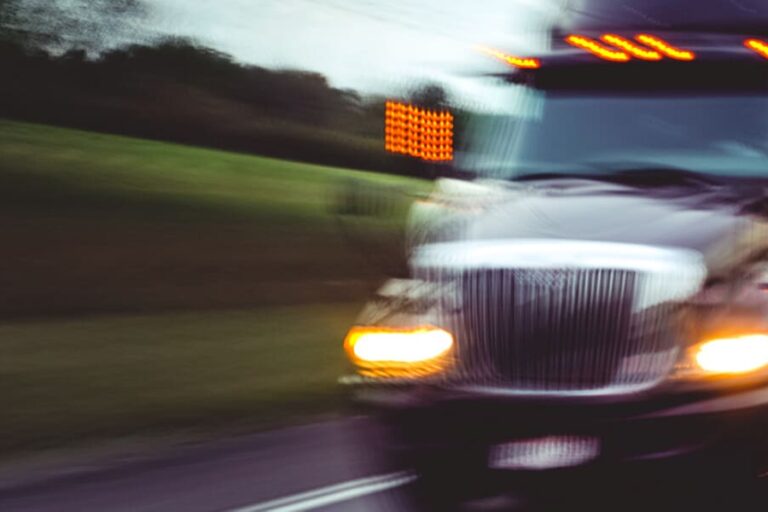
(664, 438)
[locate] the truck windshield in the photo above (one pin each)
(585, 14)
(718, 135)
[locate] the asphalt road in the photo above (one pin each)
(329, 466)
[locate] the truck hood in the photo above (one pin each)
(698, 220)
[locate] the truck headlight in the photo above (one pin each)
(399, 352)
(732, 355)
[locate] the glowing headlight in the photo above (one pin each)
(742, 354)
(407, 352)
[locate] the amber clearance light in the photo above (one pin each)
(592, 46)
(398, 352)
(517, 62)
(664, 47)
(757, 45)
(733, 355)
(615, 48)
(631, 48)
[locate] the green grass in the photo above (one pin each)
(70, 381)
(140, 178)
(155, 288)
(95, 222)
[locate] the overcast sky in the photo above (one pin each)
(363, 44)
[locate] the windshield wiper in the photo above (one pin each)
(661, 177)
(650, 175)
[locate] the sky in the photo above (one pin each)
(368, 45)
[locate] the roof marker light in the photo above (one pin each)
(518, 62)
(592, 46)
(664, 47)
(759, 46)
(631, 48)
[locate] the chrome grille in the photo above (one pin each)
(560, 316)
(559, 329)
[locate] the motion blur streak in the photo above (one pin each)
(518, 62)
(665, 48)
(597, 49)
(333, 494)
(631, 48)
(759, 46)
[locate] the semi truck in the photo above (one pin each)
(593, 306)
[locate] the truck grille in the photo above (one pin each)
(560, 329)
(561, 316)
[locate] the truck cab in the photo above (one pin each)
(594, 304)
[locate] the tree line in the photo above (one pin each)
(178, 90)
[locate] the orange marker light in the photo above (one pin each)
(631, 48)
(664, 47)
(592, 46)
(518, 62)
(761, 47)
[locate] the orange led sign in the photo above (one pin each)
(418, 132)
(518, 62)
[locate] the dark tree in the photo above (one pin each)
(430, 96)
(63, 69)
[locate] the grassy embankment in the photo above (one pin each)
(151, 287)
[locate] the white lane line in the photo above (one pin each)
(332, 494)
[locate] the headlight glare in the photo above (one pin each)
(733, 355)
(398, 352)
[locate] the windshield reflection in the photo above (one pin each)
(721, 135)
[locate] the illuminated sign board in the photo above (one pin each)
(418, 132)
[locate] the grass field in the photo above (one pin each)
(95, 222)
(151, 287)
(91, 379)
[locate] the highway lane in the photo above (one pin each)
(327, 467)
(236, 474)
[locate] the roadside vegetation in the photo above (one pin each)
(152, 287)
